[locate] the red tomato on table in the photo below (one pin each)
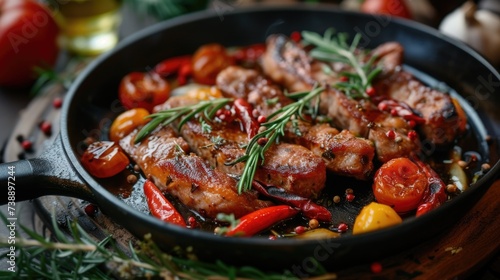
(28, 38)
(388, 7)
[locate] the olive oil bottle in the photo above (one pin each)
(89, 27)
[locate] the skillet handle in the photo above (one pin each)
(49, 174)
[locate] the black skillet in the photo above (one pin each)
(91, 104)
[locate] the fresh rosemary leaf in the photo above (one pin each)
(184, 113)
(274, 129)
(330, 48)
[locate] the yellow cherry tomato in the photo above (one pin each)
(375, 216)
(205, 93)
(126, 122)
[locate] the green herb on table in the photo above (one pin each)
(79, 256)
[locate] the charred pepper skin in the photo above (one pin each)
(309, 209)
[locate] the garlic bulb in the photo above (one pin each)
(478, 28)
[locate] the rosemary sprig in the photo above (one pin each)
(274, 128)
(330, 48)
(166, 117)
(78, 256)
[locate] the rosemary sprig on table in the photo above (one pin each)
(330, 48)
(166, 117)
(274, 128)
(76, 255)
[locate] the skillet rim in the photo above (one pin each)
(411, 223)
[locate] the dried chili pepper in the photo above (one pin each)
(261, 219)
(435, 193)
(160, 207)
(310, 209)
(243, 111)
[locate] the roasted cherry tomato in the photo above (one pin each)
(104, 159)
(208, 61)
(143, 90)
(388, 7)
(401, 184)
(375, 216)
(126, 122)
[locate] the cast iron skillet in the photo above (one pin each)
(91, 104)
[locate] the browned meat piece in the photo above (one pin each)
(291, 167)
(238, 82)
(442, 122)
(389, 55)
(287, 63)
(188, 178)
(343, 153)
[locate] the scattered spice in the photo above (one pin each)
(192, 222)
(376, 267)
(137, 168)
(349, 197)
(295, 36)
(27, 145)
(462, 163)
(57, 102)
(453, 250)
(262, 141)
(336, 199)
(349, 190)
(46, 128)
(300, 229)
(451, 188)
(485, 167)
(390, 134)
(131, 179)
(91, 210)
(313, 223)
(342, 227)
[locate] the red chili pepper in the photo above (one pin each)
(172, 65)
(243, 111)
(261, 219)
(435, 193)
(160, 207)
(250, 53)
(310, 209)
(184, 71)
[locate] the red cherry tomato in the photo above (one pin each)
(28, 38)
(388, 7)
(208, 61)
(104, 159)
(143, 90)
(401, 184)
